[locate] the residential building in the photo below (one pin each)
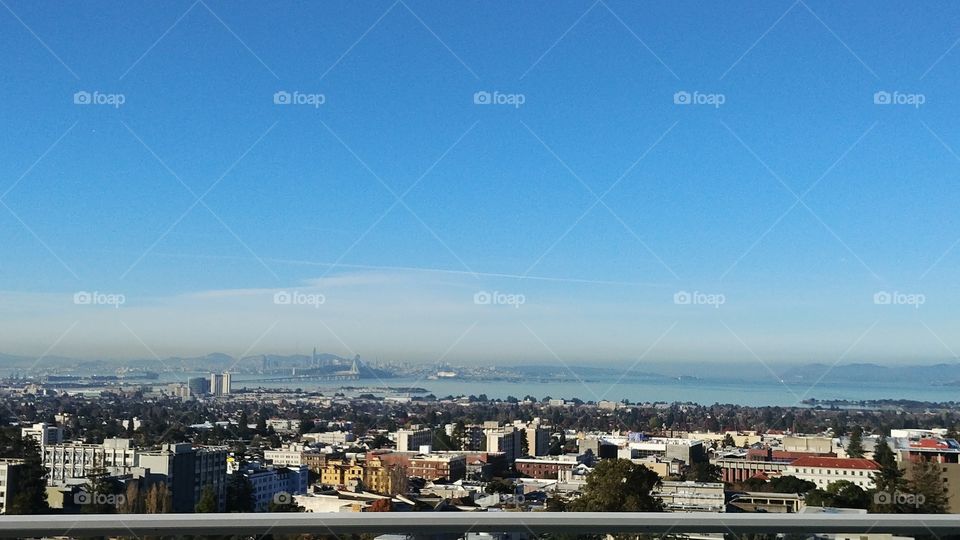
(292, 454)
(274, 484)
(330, 437)
(410, 440)
(43, 433)
(438, 467)
(538, 439)
(547, 467)
(220, 384)
(508, 440)
(188, 472)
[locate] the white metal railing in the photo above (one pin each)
(415, 523)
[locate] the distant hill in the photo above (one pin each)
(873, 373)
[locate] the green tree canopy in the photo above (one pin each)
(619, 485)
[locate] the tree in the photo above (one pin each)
(99, 494)
(133, 502)
(31, 497)
(927, 489)
(791, 484)
(839, 494)
(239, 494)
(703, 472)
(855, 446)
(159, 500)
(619, 485)
(888, 480)
(728, 440)
(208, 501)
(381, 505)
(500, 485)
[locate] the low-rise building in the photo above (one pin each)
(547, 467)
(67, 461)
(824, 471)
(692, 496)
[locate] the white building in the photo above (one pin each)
(330, 437)
(8, 481)
(692, 496)
(824, 471)
(287, 455)
(77, 460)
(43, 433)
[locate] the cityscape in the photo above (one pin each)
(479, 270)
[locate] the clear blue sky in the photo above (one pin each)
(704, 209)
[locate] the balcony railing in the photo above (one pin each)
(418, 523)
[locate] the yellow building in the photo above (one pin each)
(373, 474)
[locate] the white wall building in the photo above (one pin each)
(824, 471)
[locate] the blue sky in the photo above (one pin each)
(495, 197)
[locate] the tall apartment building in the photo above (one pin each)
(538, 439)
(189, 470)
(43, 433)
(68, 461)
(9, 471)
(410, 440)
(508, 440)
(220, 384)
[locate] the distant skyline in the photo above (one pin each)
(597, 181)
